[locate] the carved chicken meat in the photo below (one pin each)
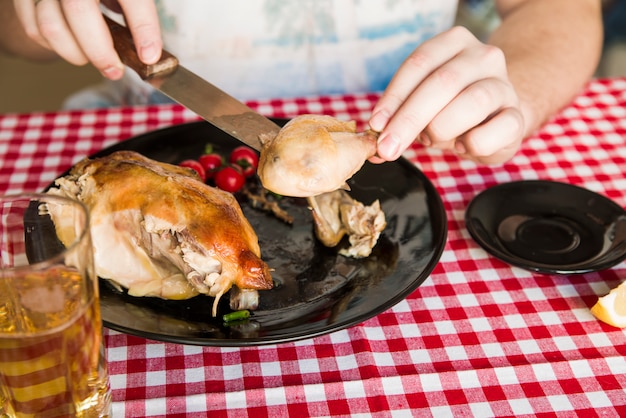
(159, 231)
(336, 214)
(312, 155)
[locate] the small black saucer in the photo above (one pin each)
(548, 227)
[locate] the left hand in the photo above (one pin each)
(451, 93)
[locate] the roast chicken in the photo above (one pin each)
(312, 155)
(159, 231)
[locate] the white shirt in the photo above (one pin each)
(258, 49)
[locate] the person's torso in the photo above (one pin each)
(287, 48)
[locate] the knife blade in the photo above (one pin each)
(183, 86)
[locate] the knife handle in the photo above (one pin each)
(125, 47)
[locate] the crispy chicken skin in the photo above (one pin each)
(313, 154)
(160, 231)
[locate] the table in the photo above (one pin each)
(478, 337)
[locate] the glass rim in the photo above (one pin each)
(41, 196)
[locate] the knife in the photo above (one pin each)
(175, 81)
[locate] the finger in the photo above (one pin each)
(435, 92)
(473, 106)
(420, 63)
(376, 160)
(143, 21)
(495, 141)
(93, 36)
(54, 28)
(25, 11)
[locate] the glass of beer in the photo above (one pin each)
(52, 360)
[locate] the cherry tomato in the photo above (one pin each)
(229, 178)
(210, 162)
(246, 158)
(196, 166)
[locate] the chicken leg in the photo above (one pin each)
(312, 155)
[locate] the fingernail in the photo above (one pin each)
(378, 121)
(113, 72)
(149, 53)
(425, 139)
(389, 147)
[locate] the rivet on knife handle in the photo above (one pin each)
(125, 47)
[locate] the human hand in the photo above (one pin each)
(451, 93)
(77, 32)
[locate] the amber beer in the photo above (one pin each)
(52, 362)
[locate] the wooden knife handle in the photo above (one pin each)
(125, 47)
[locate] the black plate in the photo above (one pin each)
(317, 291)
(548, 227)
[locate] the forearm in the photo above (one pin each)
(13, 39)
(552, 48)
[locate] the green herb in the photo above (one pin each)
(275, 195)
(236, 316)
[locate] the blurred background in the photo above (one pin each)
(28, 87)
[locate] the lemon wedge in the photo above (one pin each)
(611, 308)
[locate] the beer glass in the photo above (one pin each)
(51, 348)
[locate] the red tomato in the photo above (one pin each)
(246, 158)
(229, 178)
(196, 166)
(210, 162)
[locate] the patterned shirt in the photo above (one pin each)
(256, 49)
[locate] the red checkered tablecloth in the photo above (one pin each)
(478, 337)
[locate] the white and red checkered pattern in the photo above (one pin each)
(479, 337)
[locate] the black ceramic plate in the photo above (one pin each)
(316, 290)
(548, 227)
